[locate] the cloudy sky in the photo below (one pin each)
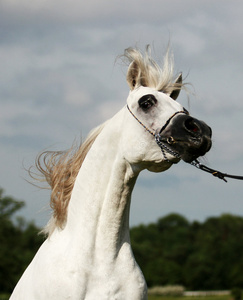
(59, 78)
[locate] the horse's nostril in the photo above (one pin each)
(191, 126)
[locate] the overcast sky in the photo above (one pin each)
(59, 78)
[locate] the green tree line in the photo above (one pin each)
(19, 240)
(199, 256)
(207, 255)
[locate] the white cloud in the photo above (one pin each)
(11, 113)
(104, 11)
(77, 96)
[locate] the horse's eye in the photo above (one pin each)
(146, 102)
(146, 105)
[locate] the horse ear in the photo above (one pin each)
(133, 75)
(175, 93)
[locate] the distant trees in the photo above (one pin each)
(197, 255)
(19, 241)
(172, 251)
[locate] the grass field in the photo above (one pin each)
(6, 297)
(191, 298)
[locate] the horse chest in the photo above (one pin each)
(82, 275)
(108, 283)
(107, 276)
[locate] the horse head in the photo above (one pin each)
(161, 121)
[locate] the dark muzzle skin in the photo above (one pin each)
(189, 137)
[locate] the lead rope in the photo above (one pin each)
(195, 162)
(215, 173)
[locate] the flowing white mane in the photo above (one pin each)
(150, 73)
(60, 169)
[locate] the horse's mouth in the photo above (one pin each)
(189, 148)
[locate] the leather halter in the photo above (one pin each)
(165, 149)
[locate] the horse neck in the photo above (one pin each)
(98, 212)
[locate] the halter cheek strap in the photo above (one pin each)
(145, 127)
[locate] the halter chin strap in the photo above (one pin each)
(166, 149)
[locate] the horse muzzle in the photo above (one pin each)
(187, 136)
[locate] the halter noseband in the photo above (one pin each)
(165, 149)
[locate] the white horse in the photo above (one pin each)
(88, 253)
